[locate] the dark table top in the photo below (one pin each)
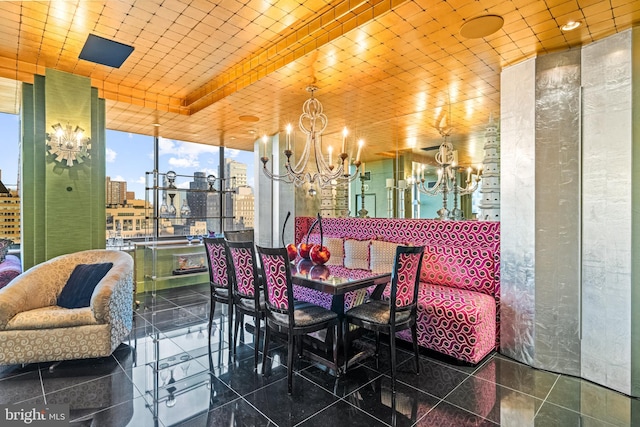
(334, 280)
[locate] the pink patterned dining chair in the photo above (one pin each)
(220, 281)
(398, 313)
(287, 316)
(248, 297)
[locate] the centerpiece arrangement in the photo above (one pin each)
(311, 254)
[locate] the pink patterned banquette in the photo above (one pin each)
(459, 295)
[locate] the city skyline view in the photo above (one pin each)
(129, 156)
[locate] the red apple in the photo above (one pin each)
(292, 251)
(320, 272)
(303, 249)
(319, 254)
(304, 266)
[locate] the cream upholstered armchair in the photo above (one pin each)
(34, 328)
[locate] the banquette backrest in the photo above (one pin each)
(461, 254)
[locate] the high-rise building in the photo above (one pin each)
(129, 221)
(9, 213)
(198, 200)
(235, 173)
(243, 208)
(116, 192)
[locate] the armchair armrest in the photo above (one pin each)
(36, 288)
(113, 296)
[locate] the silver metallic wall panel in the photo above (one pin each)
(557, 212)
(263, 188)
(607, 212)
(570, 229)
(517, 226)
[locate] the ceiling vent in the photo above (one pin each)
(106, 52)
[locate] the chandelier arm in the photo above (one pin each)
(468, 190)
(298, 169)
(276, 177)
(312, 123)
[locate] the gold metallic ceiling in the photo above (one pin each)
(389, 70)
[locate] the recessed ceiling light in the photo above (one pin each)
(252, 132)
(156, 124)
(571, 25)
(249, 119)
(481, 26)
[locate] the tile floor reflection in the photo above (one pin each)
(165, 375)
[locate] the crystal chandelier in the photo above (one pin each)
(447, 181)
(312, 123)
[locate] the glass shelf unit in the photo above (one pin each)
(156, 265)
(180, 210)
(179, 379)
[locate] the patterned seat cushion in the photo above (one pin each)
(52, 317)
(456, 322)
(376, 312)
(305, 314)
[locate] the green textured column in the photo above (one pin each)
(64, 206)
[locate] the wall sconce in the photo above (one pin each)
(68, 144)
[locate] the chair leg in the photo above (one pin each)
(299, 346)
(242, 329)
(256, 343)
(265, 349)
(291, 348)
(377, 349)
(414, 337)
(235, 332)
(345, 344)
(54, 365)
(230, 328)
(212, 309)
(335, 349)
(392, 350)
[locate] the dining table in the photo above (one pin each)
(337, 281)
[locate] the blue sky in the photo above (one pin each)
(129, 156)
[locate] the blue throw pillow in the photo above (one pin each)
(83, 280)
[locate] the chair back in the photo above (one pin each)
(405, 278)
(277, 280)
(243, 262)
(218, 259)
(239, 235)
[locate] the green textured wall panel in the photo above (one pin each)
(63, 207)
(68, 190)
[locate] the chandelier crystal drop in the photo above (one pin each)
(312, 166)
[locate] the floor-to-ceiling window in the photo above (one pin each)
(130, 196)
(9, 177)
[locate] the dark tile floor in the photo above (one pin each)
(195, 387)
